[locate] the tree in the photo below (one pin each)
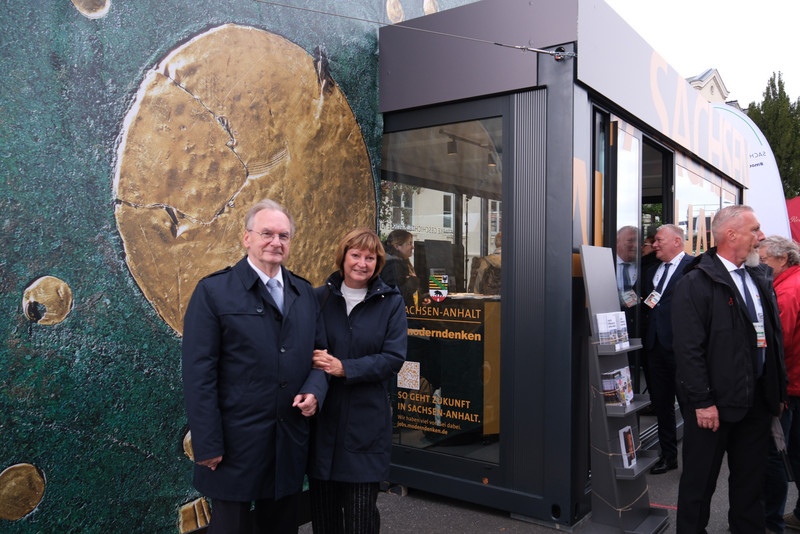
(779, 120)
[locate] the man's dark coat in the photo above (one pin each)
(658, 320)
(243, 364)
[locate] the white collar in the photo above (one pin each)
(264, 277)
(677, 259)
(728, 264)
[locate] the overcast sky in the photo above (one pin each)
(746, 41)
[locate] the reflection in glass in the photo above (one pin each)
(697, 199)
(443, 185)
(627, 245)
(628, 165)
(627, 249)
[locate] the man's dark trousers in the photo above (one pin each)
(746, 442)
(268, 516)
(661, 385)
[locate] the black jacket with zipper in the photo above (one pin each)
(715, 342)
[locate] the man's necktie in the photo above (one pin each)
(663, 277)
(276, 292)
(626, 276)
(748, 299)
(751, 309)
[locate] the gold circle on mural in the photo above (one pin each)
(21, 491)
(430, 7)
(394, 10)
(235, 115)
(187, 446)
(47, 300)
(193, 515)
(93, 9)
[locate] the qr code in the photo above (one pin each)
(408, 377)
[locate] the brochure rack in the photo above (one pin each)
(620, 498)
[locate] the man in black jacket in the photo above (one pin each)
(731, 379)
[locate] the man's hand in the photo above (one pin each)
(708, 418)
(326, 362)
(307, 403)
(211, 463)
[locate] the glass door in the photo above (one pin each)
(441, 192)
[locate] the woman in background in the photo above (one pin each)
(398, 271)
(783, 256)
(351, 440)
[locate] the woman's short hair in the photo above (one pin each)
(777, 246)
(361, 239)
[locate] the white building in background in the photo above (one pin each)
(710, 85)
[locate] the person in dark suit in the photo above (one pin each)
(658, 284)
(627, 271)
(249, 335)
(728, 347)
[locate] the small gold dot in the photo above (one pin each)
(47, 300)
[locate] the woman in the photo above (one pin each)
(487, 277)
(784, 257)
(398, 271)
(351, 441)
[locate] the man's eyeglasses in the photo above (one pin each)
(268, 236)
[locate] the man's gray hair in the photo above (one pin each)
(675, 228)
(725, 217)
(266, 204)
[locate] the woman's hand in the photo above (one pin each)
(330, 364)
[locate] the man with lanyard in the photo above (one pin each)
(731, 379)
(658, 284)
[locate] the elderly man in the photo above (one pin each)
(731, 379)
(783, 256)
(658, 285)
(627, 271)
(249, 335)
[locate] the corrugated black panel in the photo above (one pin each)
(525, 205)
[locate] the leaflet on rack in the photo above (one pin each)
(617, 387)
(612, 329)
(627, 448)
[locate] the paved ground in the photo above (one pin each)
(422, 513)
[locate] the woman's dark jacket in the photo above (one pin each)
(351, 438)
(714, 340)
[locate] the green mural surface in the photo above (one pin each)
(94, 402)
